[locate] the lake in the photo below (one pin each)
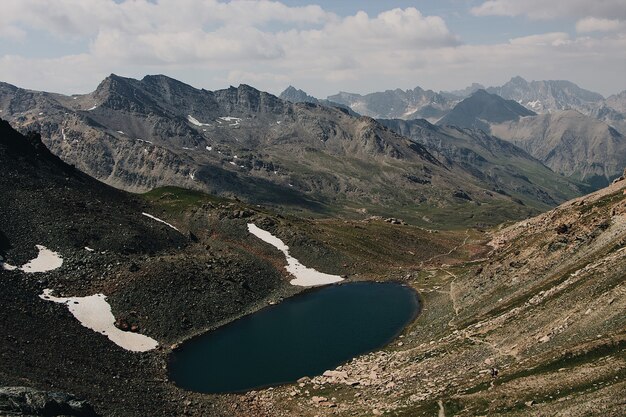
(301, 336)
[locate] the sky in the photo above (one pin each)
(322, 47)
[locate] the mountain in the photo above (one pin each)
(572, 144)
(612, 111)
(558, 95)
(150, 272)
(401, 104)
(617, 102)
(141, 134)
(507, 168)
(545, 96)
(297, 96)
(294, 95)
(51, 194)
(481, 109)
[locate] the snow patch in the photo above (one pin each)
(120, 132)
(187, 149)
(94, 313)
(209, 148)
(63, 134)
(232, 163)
(304, 277)
(534, 104)
(45, 261)
(229, 119)
(161, 221)
(192, 175)
(92, 108)
(88, 249)
(7, 267)
(196, 122)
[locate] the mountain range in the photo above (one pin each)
(538, 96)
(400, 104)
(575, 132)
(240, 142)
(577, 146)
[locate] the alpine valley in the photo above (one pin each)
(148, 212)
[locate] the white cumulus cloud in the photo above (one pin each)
(593, 24)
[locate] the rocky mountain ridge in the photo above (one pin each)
(548, 95)
(541, 96)
(141, 134)
(400, 104)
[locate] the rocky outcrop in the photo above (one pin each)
(29, 402)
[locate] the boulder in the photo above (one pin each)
(27, 401)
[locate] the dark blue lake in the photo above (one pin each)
(302, 336)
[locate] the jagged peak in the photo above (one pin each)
(111, 82)
(291, 88)
(518, 80)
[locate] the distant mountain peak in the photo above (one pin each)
(296, 95)
(518, 80)
(482, 108)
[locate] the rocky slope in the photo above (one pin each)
(572, 144)
(482, 109)
(497, 162)
(140, 134)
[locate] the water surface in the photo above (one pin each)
(302, 336)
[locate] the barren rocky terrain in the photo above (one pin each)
(541, 300)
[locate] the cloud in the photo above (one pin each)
(545, 39)
(552, 9)
(69, 74)
(268, 44)
(88, 17)
(593, 24)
